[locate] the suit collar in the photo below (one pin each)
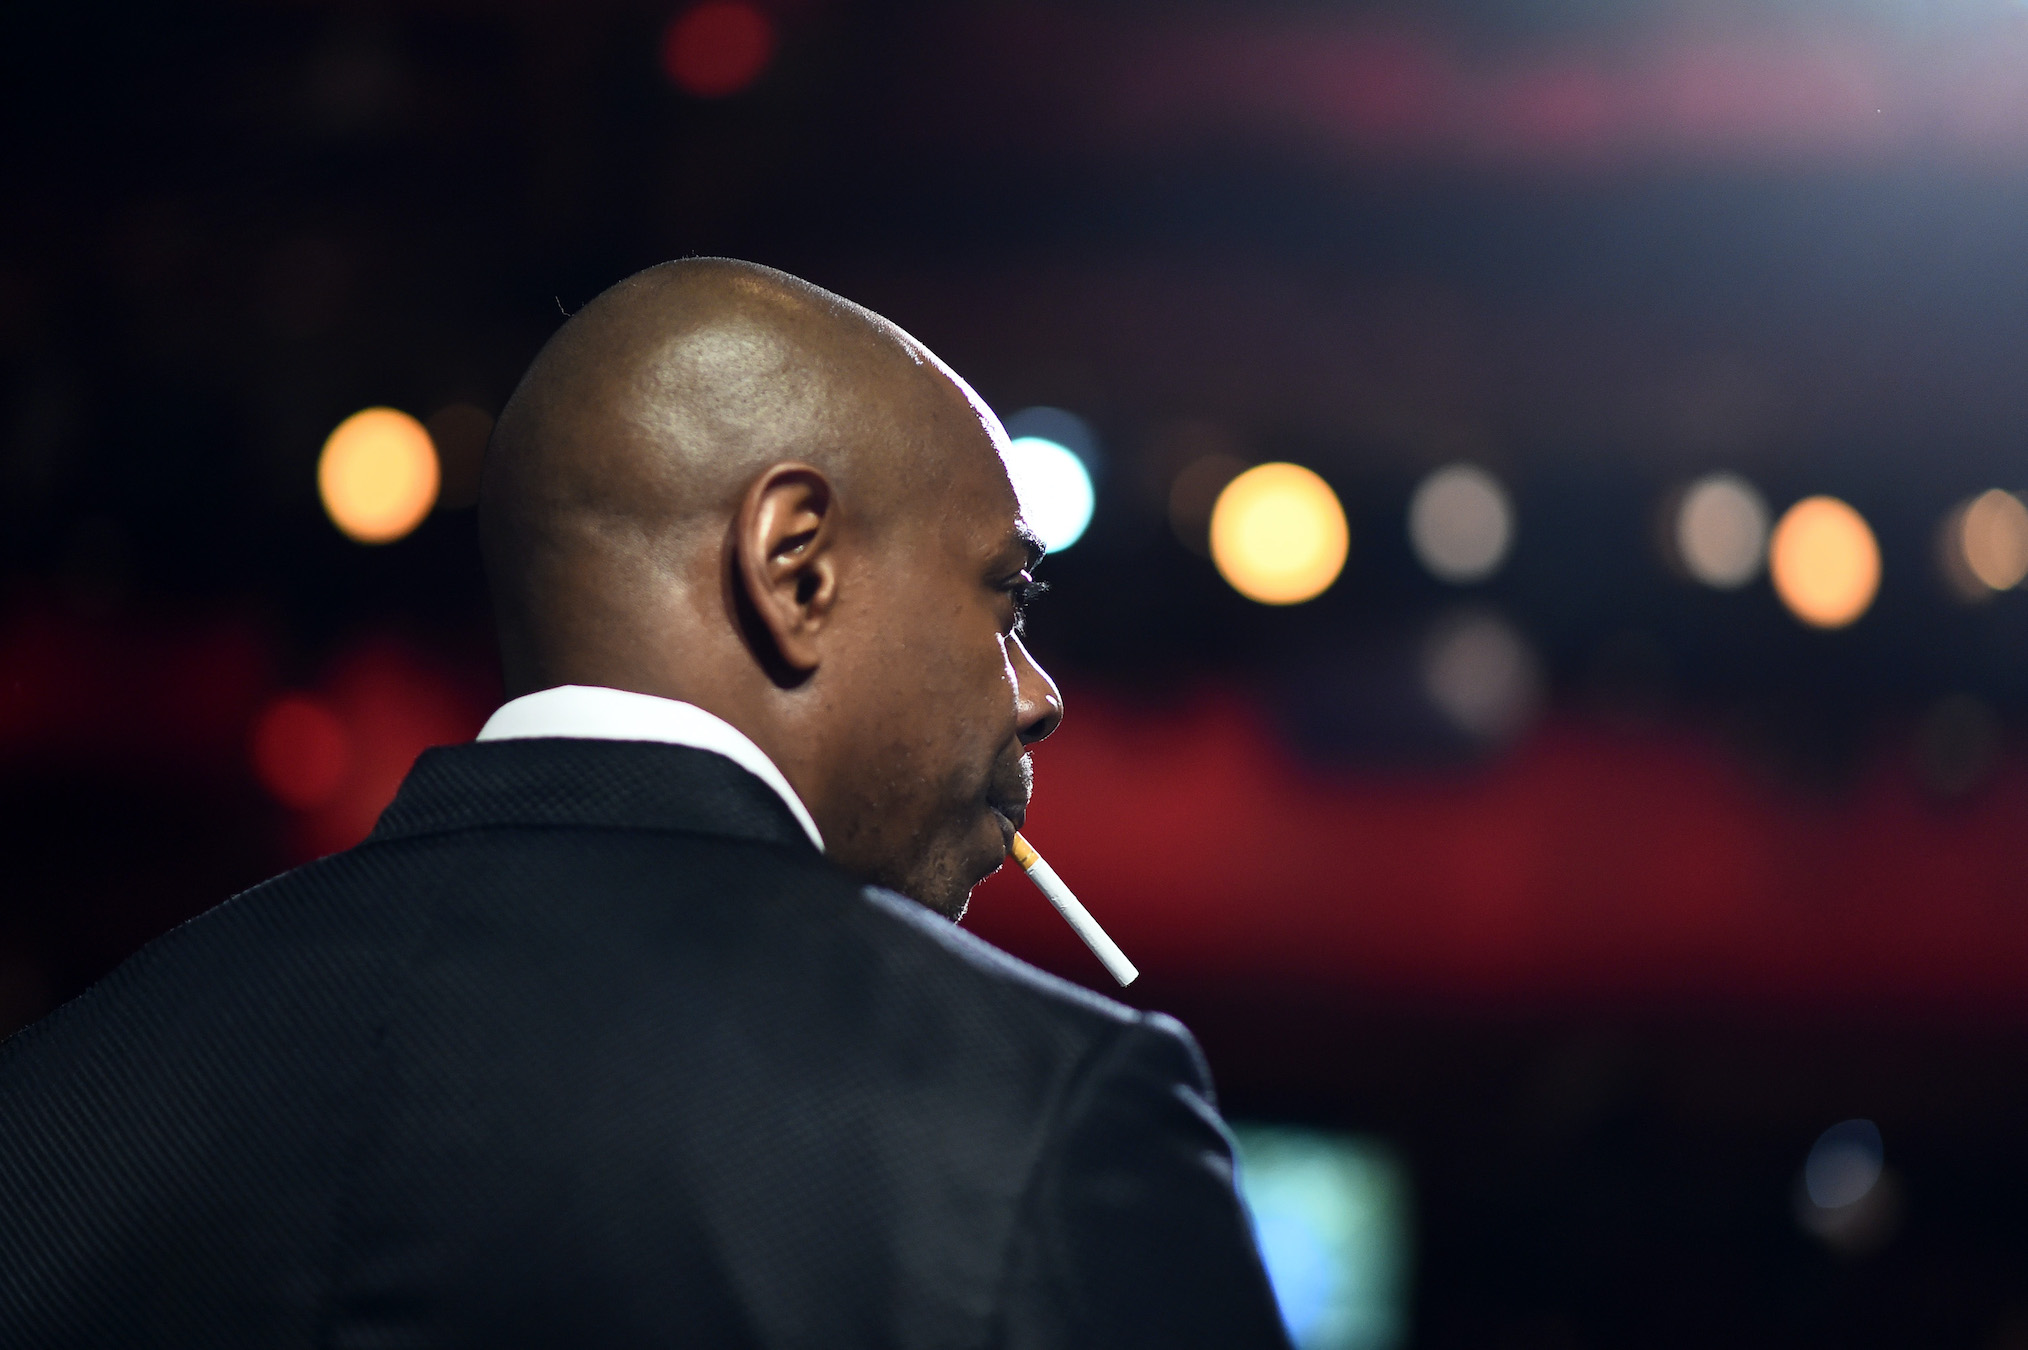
(638, 785)
(594, 712)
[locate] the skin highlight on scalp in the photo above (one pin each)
(721, 484)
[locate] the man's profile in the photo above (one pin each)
(642, 1020)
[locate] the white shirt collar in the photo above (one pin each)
(591, 713)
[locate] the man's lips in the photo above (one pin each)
(1010, 815)
(1008, 792)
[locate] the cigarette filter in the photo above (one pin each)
(1076, 915)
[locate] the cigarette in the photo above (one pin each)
(1076, 915)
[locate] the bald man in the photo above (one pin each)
(643, 1020)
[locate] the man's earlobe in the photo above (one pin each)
(785, 572)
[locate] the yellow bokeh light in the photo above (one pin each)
(1824, 562)
(378, 475)
(1278, 534)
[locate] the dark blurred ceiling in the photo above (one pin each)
(1598, 249)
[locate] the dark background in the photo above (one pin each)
(1601, 984)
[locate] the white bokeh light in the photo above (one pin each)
(1992, 539)
(1482, 675)
(1461, 523)
(1721, 531)
(1054, 488)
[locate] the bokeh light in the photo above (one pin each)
(1825, 563)
(1331, 1214)
(718, 47)
(1846, 1195)
(1843, 1164)
(1991, 537)
(1054, 489)
(1482, 676)
(1721, 531)
(378, 475)
(1278, 534)
(300, 751)
(1461, 523)
(1064, 427)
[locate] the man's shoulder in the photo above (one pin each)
(769, 922)
(991, 981)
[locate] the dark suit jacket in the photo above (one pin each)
(587, 1046)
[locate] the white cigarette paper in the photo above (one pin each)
(1076, 915)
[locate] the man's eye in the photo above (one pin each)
(1023, 590)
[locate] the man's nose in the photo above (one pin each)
(1039, 704)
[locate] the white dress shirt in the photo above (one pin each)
(591, 713)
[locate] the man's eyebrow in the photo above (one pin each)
(1031, 542)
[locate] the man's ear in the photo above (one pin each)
(784, 566)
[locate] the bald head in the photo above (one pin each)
(720, 484)
(633, 434)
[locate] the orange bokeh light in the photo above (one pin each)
(718, 47)
(300, 751)
(378, 475)
(1824, 562)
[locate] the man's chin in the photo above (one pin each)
(953, 897)
(948, 889)
(939, 887)
(943, 879)
(948, 901)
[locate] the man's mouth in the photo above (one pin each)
(1009, 815)
(1008, 792)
